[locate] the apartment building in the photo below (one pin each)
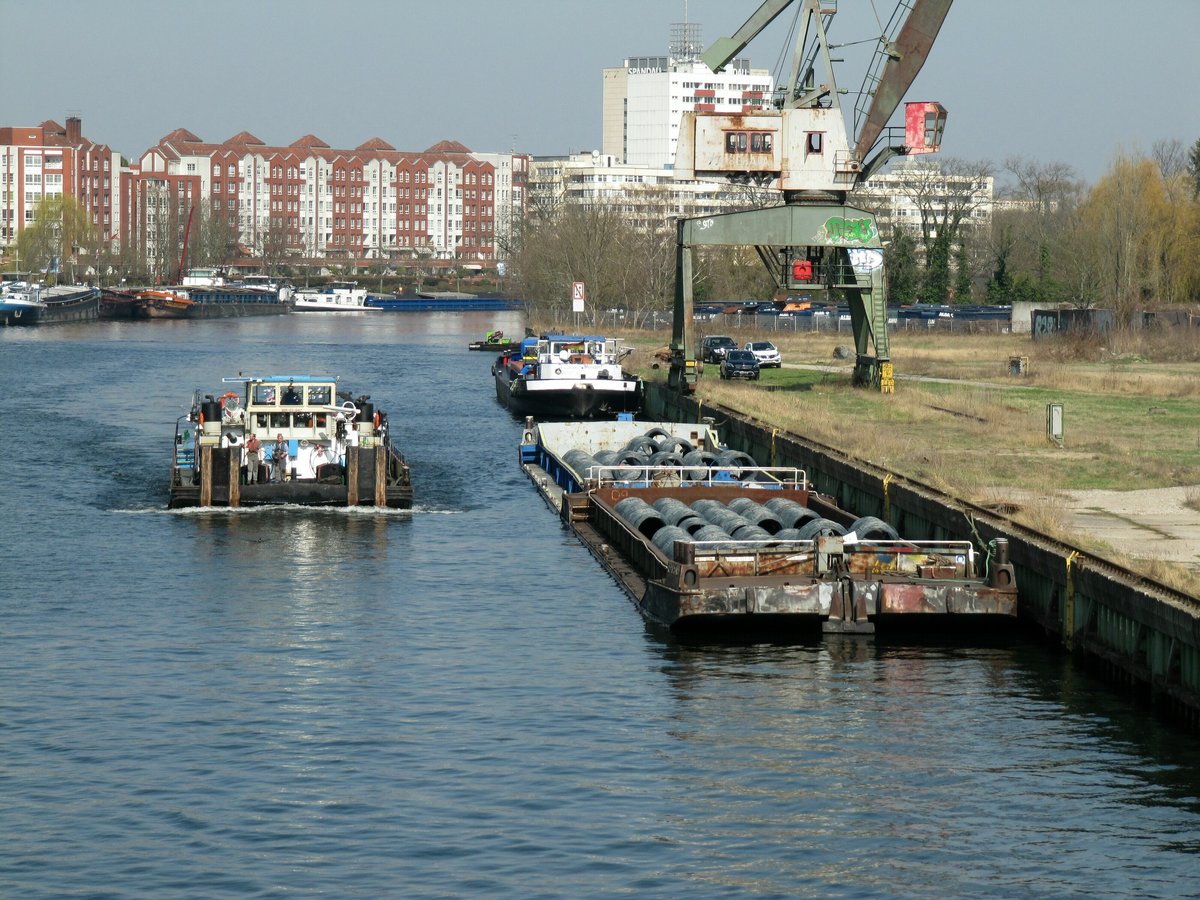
(308, 200)
(51, 160)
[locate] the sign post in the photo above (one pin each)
(577, 298)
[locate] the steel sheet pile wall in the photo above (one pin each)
(1143, 633)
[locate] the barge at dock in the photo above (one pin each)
(704, 540)
(286, 439)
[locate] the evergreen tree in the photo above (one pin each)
(962, 272)
(902, 273)
(937, 270)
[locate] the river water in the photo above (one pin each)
(458, 701)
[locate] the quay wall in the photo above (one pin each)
(1142, 634)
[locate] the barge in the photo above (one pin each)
(561, 376)
(218, 302)
(32, 304)
(705, 540)
(286, 439)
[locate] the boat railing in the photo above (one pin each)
(936, 559)
(650, 475)
(184, 453)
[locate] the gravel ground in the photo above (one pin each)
(1151, 524)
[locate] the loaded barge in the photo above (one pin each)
(286, 439)
(705, 540)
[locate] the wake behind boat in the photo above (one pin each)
(568, 377)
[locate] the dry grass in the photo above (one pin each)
(1192, 499)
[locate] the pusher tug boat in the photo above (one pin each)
(286, 439)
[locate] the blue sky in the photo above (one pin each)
(1057, 80)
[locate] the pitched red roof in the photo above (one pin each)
(375, 144)
(448, 147)
(181, 135)
(245, 137)
(310, 140)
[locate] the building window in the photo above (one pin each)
(814, 143)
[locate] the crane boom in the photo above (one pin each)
(904, 58)
(724, 49)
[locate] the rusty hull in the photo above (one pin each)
(785, 583)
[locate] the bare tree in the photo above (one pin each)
(1170, 156)
(276, 244)
(214, 238)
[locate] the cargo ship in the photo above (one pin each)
(705, 540)
(286, 439)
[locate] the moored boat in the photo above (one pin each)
(213, 302)
(495, 342)
(286, 439)
(567, 377)
(163, 304)
(702, 538)
(118, 304)
(19, 304)
(442, 301)
(22, 303)
(337, 296)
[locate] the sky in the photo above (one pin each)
(1073, 81)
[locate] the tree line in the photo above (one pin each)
(1128, 242)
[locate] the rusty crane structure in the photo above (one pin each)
(801, 146)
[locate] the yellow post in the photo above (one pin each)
(887, 379)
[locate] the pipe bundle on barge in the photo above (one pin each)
(702, 538)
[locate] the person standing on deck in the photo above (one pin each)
(253, 451)
(279, 455)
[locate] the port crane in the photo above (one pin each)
(801, 147)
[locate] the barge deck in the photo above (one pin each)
(709, 541)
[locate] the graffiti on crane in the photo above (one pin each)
(838, 231)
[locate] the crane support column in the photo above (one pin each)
(829, 232)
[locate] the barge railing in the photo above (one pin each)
(650, 475)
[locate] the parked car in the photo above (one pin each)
(739, 364)
(714, 347)
(766, 353)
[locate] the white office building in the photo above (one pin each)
(645, 99)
